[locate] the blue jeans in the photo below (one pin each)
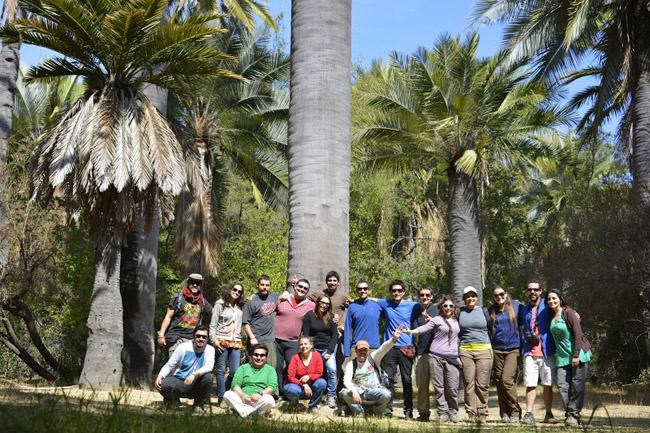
(376, 399)
(330, 370)
(232, 357)
(295, 392)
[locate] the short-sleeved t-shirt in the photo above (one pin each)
(260, 315)
(186, 317)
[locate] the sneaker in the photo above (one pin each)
(453, 417)
(342, 412)
(198, 410)
(514, 419)
(331, 402)
(313, 410)
(571, 421)
(528, 419)
(550, 419)
(423, 417)
(443, 418)
(408, 414)
(505, 418)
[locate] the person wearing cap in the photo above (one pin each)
(185, 311)
(363, 380)
(475, 352)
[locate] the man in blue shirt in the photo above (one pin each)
(398, 313)
(361, 321)
(188, 372)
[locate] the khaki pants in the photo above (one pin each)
(477, 366)
(505, 371)
(422, 380)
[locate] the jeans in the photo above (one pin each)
(477, 366)
(376, 399)
(230, 356)
(446, 379)
(392, 360)
(571, 381)
(284, 351)
(330, 370)
(295, 392)
(505, 370)
(172, 388)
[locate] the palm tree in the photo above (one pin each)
(112, 155)
(9, 66)
(447, 108)
(241, 11)
(319, 138)
(228, 125)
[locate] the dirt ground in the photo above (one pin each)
(624, 408)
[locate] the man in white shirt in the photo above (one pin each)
(362, 379)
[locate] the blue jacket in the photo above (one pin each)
(505, 335)
(544, 317)
(361, 323)
(399, 315)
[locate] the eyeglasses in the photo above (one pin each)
(259, 355)
(448, 306)
(324, 303)
(302, 286)
(500, 295)
(201, 337)
(362, 289)
(397, 290)
(425, 295)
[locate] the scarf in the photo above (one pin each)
(192, 298)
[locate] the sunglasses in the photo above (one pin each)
(237, 291)
(259, 355)
(448, 306)
(324, 303)
(397, 290)
(500, 295)
(362, 289)
(302, 286)
(534, 290)
(470, 295)
(194, 283)
(201, 337)
(425, 295)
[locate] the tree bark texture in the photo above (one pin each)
(9, 66)
(138, 286)
(103, 363)
(464, 234)
(319, 139)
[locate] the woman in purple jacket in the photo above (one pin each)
(443, 358)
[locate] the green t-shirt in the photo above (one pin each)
(564, 341)
(252, 380)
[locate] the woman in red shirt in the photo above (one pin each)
(304, 375)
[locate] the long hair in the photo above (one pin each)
(441, 301)
(507, 307)
(563, 302)
(327, 316)
(226, 294)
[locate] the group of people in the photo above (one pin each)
(322, 346)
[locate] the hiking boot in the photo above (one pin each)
(528, 419)
(453, 417)
(423, 417)
(505, 418)
(514, 419)
(443, 418)
(550, 419)
(408, 414)
(331, 402)
(571, 421)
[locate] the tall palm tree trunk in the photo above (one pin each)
(641, 154)
(319, 138)
(139, 269)
(103, 364)
(9, 66)
(464, 234)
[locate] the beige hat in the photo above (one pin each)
(195, 277)
(361, 344)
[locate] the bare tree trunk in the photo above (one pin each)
(138, 286)
(319, 139)
(9, 66)
(464, 233)
(641, 154)
(103, 363)
(10, 340)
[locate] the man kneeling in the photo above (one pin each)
(252, 388)
(363, 379)
(187, 373)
